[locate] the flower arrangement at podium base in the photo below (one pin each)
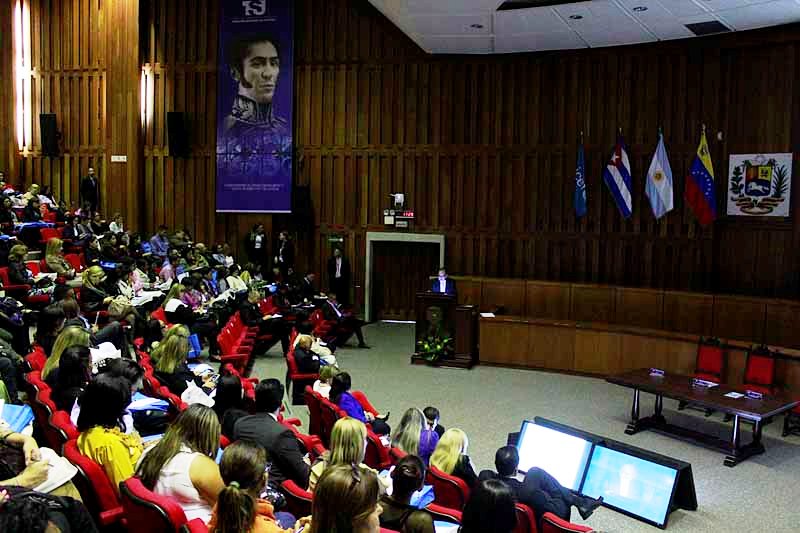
(434, 348)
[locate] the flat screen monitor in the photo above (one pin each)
(630, 484)
(561, 455)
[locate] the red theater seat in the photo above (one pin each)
(149, 512)
(553, 524)
(96, 490)
(451, 492)
(759, 371)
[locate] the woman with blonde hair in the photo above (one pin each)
(451, 456)
(346, 501)
(170, 368)
(18, 273)
(348, 446)
(69, 336)
(178, 330)
(177, 312)
(95, 297)
(181, 466)
(54, 257)
(412, 436)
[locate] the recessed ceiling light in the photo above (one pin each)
(639, 9)
(476, 26)
(576, 17)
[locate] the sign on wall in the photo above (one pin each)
(254, 106)
(759, 185)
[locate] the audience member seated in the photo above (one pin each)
(264, 429)
(307, 361)
(181, 466)
(229, 403)
(170, 367)
(159, 244)
(103, 438)
(96, 297)
(51, 322)
(33, 211)
(112, 332)
(412, 436)
(234, 280)
(25, 511)
(54, 257)
(348, 447)
(239, 509)
(340, 395)
(71, 377)
(506, 461)
(70, 336)
(93, 252)
(177, 312)
(490, 509)
(432, 420)
(451, 456)
(346, 499)
(35, 471)
(18, 273)
(323, 385)
(7, 216)
(346, 322)
(398, 514)
(267, 324)
(317, 346)
(544, 494)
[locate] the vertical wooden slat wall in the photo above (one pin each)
(483, 147)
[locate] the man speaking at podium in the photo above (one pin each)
(444, 285)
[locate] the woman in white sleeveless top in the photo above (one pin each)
(182, 467)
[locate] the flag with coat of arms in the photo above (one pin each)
(580, 182)
(658, 185)
(617, 176)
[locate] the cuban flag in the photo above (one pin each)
(617, 176)
(700, 194)
(658, 185)
(580, 184)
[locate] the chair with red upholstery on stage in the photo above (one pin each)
(759, 371)
(553, 524)
(148, 511)
(450, 491)
(526, 519)
(96, 490)
(709, 365)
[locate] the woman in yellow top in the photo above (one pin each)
(103, 438)
(348, 446)
(239, 509)
(70, 336)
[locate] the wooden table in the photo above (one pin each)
(760, 412)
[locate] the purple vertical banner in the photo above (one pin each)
(254, 106)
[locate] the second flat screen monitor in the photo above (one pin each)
(634, 485)
(561, 455)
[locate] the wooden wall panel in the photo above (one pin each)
(781, 327)
(688, 313)
(506, 293)
(643, 308)
(739, 318)
(547, 300)
(591, 303)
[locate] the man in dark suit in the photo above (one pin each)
(346, 323)
(90, 191)
(284, 256)
(339, 276)
(540, 491)
(307, 290)
(443, 284)
(264, 429)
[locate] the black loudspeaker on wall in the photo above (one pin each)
(178, 134)
(50, 135)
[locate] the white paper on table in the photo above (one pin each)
(45, 275)
(487, 315)
(59, 473)
(734, 395)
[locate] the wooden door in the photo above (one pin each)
(399, 270)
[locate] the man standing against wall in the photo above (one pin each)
(90, 191)
(339, 276)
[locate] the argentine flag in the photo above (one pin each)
(658, 185)
(617, 176)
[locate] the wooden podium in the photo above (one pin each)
(436, 310)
